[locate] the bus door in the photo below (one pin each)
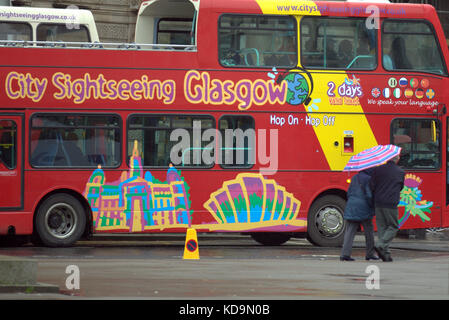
(421, 155)
(445, 220)
(11, 161)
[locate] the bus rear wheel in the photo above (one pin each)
(271, 238)
(325, 223)
(60, 221)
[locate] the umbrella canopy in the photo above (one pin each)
(372, 157)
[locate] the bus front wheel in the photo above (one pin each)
(325, 223)
(60, 221)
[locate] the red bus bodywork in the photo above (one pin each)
(43, 80)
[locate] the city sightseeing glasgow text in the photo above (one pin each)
(198, 88)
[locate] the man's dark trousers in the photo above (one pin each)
(387, 227)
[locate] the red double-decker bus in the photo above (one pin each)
(224, 116)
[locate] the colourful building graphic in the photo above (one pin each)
(138, 202)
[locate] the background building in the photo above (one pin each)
(116, 18)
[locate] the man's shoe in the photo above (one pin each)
(381, 253)
(346, 258)
(388, 258)
(372, 257)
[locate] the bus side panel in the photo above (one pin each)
(22, 222)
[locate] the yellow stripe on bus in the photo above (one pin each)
(336, 118)
(333, 118)
(288, 7)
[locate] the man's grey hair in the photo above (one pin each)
(396, 159)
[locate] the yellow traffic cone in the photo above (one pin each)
(191, 248)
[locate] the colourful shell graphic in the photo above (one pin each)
(252, 202)
(411, 199)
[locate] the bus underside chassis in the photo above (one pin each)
(60, 220)
(271, 238)
(325, 225)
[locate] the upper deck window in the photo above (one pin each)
(257, 41)
(174, 31)
(168, 23)
(335, 43)
(411, 45)
(61, 32)
(15, 31)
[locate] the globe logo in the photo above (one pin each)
(298, 88)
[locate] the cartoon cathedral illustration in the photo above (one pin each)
(138, 202)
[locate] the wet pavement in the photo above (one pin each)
(235, 267)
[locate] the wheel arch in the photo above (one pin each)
(82, 200)
(334, 191)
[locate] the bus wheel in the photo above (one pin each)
(325, 223)
(60, 221)
(271, 238)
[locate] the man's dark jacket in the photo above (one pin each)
(386, 183)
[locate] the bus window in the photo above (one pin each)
(174, 31)
(8, 134)
(335, 43)
(15, 31)
(411, 45)
(167, 22)
(60, 32)
(60, 140)
(257, 41)
(168, 139)
(238, 141)
(420, 142)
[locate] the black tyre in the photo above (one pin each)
(325, 223)
(60, 221)
(271, 238)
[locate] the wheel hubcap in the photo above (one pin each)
(330, 221)
(61, 220)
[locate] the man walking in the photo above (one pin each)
(386, 183)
